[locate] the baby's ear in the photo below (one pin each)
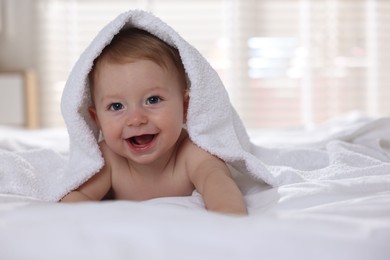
(186, 101)
(93, 115)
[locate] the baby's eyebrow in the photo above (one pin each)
(158, 89)
(110, 97)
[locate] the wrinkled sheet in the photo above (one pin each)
(328, 219)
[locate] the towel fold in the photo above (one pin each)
(212, 124)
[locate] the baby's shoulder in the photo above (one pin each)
(191, 151)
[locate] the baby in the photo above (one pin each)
(140, 99)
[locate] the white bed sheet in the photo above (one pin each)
(339, 219)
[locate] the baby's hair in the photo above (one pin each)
(133, 44)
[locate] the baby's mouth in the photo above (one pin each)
(141, 140)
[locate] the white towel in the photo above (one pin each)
(212, 123)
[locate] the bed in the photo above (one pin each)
(344, 218)
(327, 194)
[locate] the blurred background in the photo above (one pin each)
(285, 63)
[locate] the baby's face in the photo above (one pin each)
(139, 107)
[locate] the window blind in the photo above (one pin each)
(284, 63)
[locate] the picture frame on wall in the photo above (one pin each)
(1, 17)
(18, 99)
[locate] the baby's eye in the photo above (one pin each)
(116, 106)
(153, 100)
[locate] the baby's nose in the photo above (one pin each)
(137, 117)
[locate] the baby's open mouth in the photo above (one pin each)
(141, 140)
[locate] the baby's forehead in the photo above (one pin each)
(166, 65)
(142, 72)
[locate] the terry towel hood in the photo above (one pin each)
(212, 122)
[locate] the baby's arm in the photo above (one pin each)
(95, 188)
(212, 179)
